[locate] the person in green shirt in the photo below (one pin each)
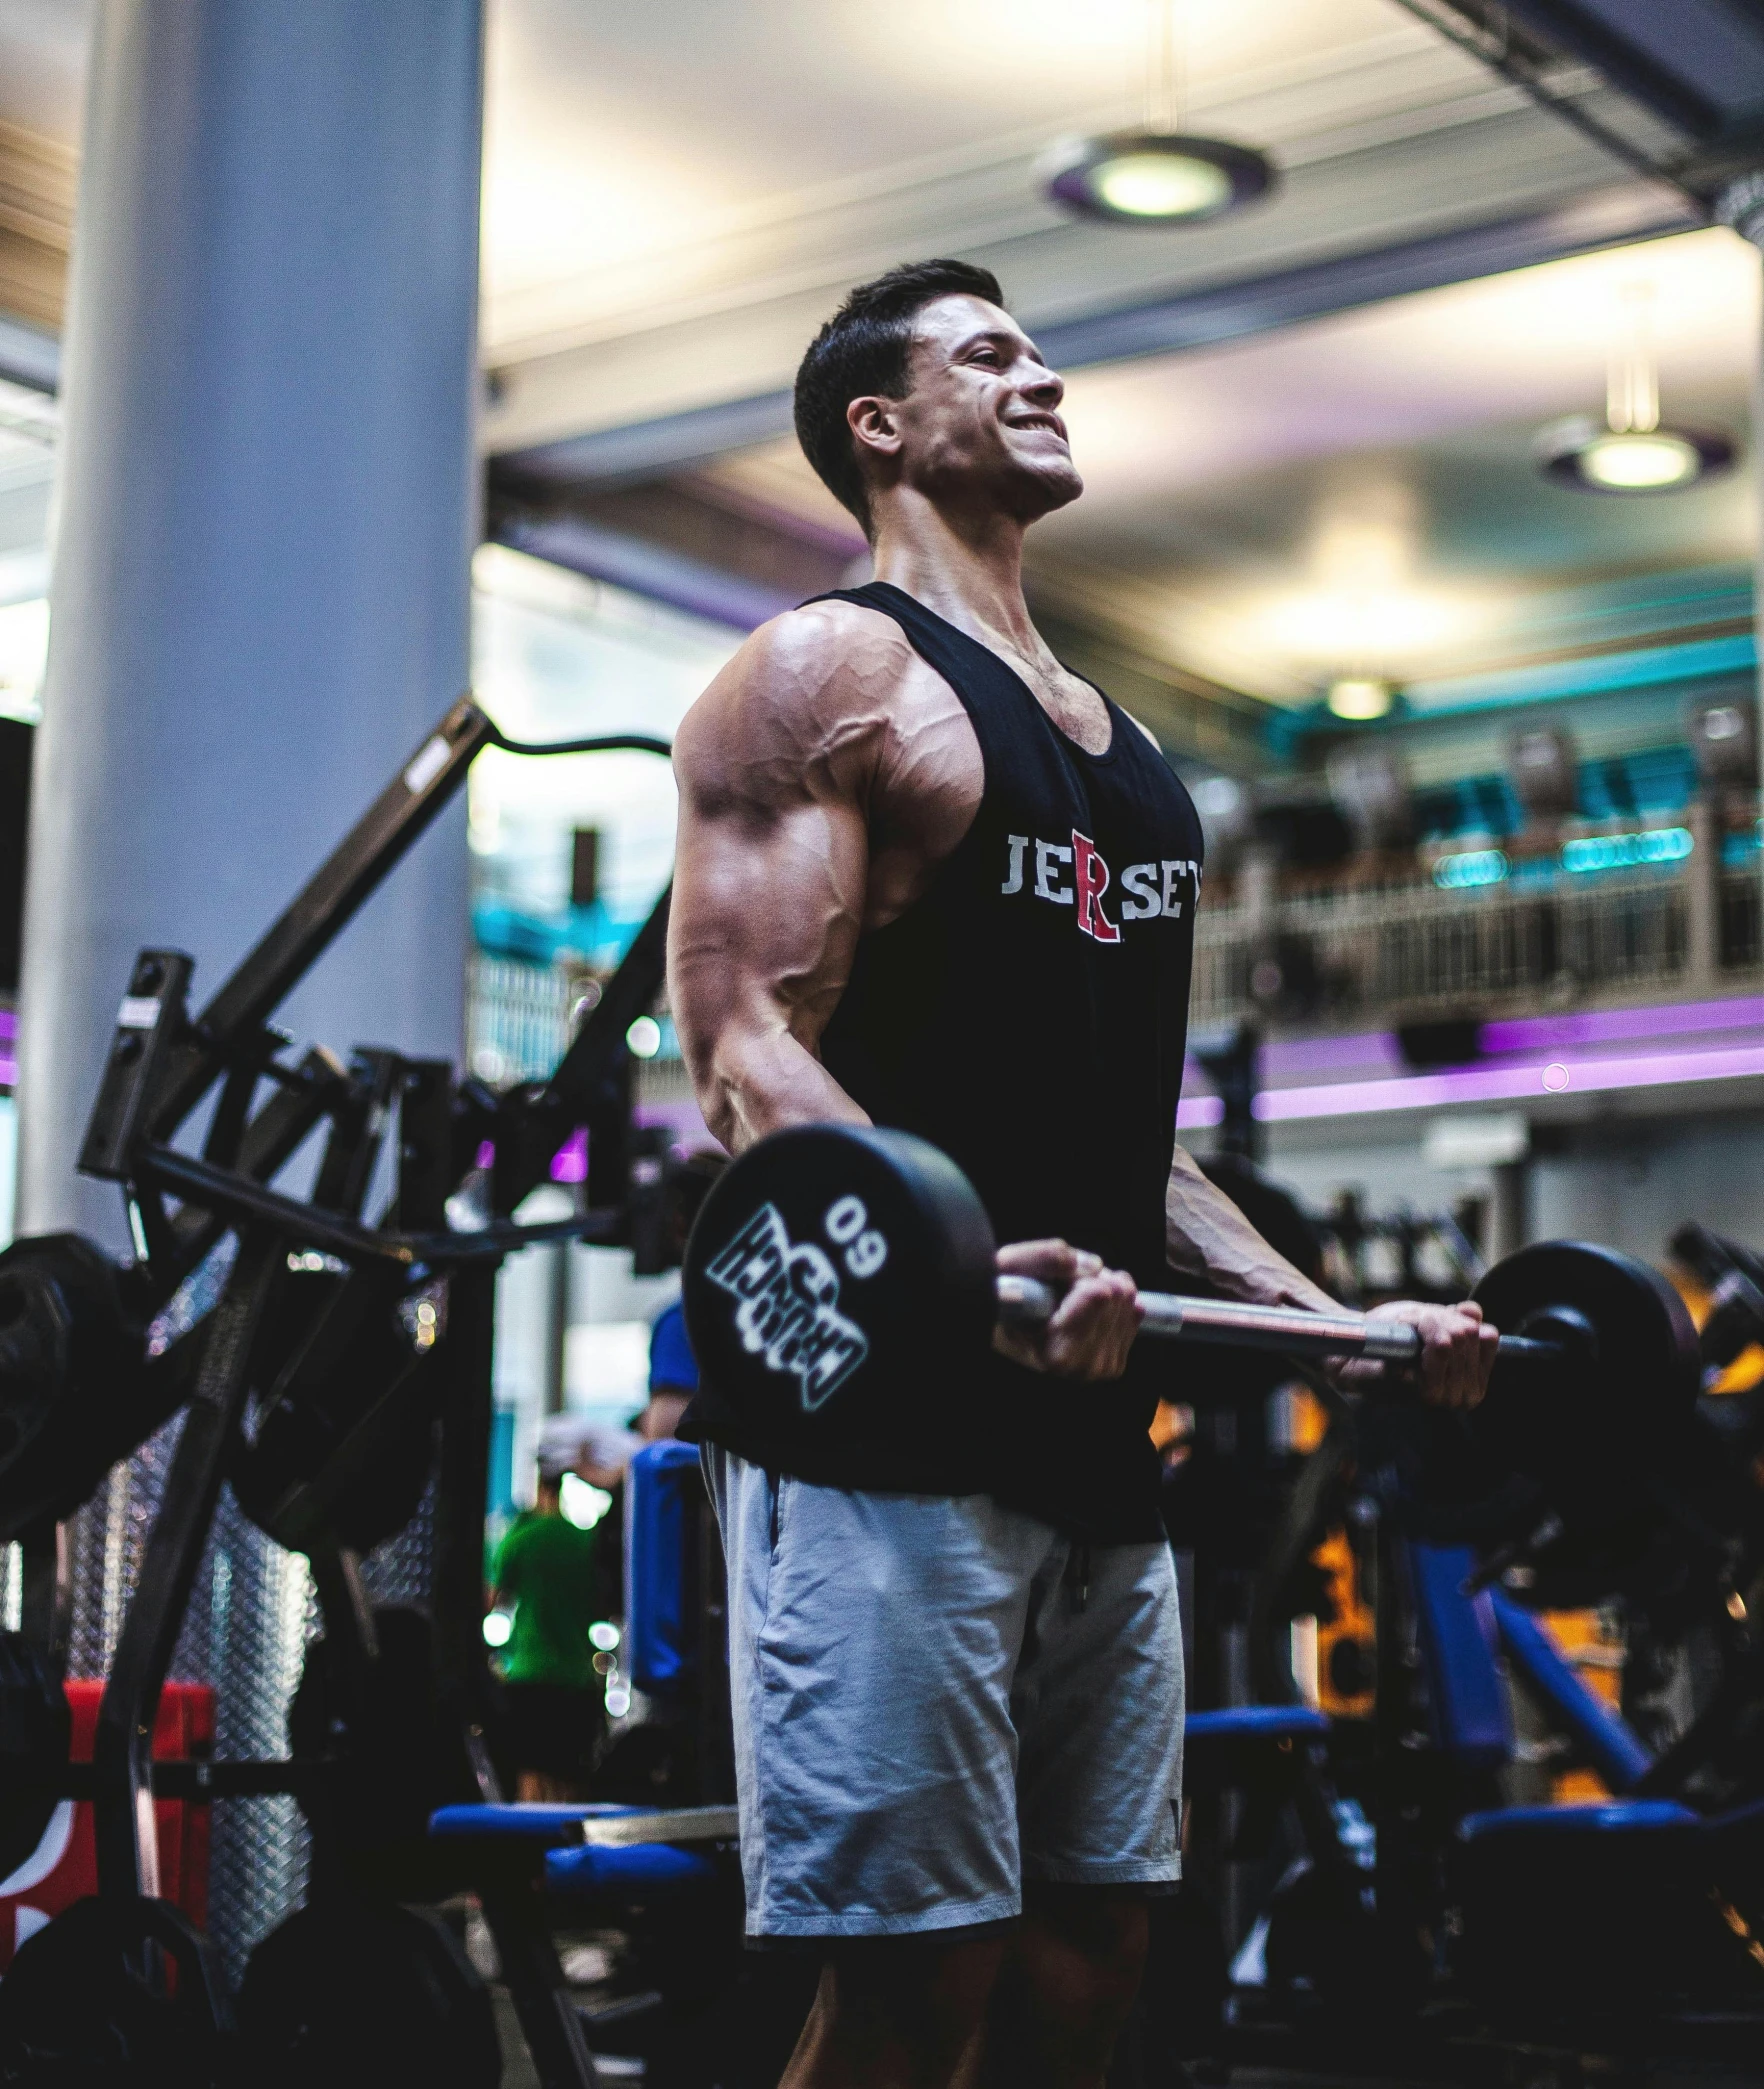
(545, 1574)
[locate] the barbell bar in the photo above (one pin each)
(841, 1284)
(1026, 1302)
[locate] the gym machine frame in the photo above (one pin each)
(161, 1066)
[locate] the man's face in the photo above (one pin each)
(981, 424)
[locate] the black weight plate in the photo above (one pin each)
(33, 1748)
(79, 2005)
(391, 1744)
(837, 1281)
(71, 1361)
(359, 1994)
(1601, 1431)
(329, 1393)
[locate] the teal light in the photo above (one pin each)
(1474, 867)
(1626, 851)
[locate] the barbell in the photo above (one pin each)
(841, 1284)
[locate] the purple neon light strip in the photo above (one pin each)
(1552, 1033)
(8, 1070)
(1367, 1049)
(8, 1024)
(1309, 1055)
(1480, 1084)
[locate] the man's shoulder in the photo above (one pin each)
(821, 684)
(827, 642)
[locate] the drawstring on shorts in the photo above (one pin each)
(1078, 1573)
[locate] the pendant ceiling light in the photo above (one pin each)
(1158, 174)
(1632, 452)
(1361, 698)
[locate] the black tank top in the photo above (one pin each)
(1029, 1015)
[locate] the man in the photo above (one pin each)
(673, 1370)
(928, 877)
(545, 1573)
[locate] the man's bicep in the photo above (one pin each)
(776, 765)
(767, 906)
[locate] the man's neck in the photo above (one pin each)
(970, 574)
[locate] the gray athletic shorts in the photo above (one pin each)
(929, 1708)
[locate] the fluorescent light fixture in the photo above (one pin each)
(1360, 698)
(1145, 177)
(1589, 852)
(1626, 851)
(1472, 867)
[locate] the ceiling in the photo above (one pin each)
(1357, 494)
(1293, 468)
(674, 194)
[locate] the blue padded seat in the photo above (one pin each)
(1257, 1723)
(1599, 1911)
(1593, 1817)
(1255, 1749)
(512, 1823)
(645, 1869)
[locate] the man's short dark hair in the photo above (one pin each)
(865, 348)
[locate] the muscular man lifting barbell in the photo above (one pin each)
(929, 878)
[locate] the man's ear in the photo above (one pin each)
(875, 425)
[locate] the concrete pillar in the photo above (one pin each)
(266, 513)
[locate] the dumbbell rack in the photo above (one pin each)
(442, 1239)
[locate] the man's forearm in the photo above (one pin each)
(759, 1084)
(1207, 1236)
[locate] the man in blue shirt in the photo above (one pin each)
(673, 1375)
(673, 1371)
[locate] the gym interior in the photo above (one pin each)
(395, 440)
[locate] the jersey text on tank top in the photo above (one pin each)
(1028, 1014)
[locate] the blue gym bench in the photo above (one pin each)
(599, 1862)
(628, 1852)
(1623, 1909)
(1601, 1912)
(531, 1863)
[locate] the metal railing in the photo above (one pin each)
(1415, 951)
(517, 1018)
(520, 1019)
(1397, 951)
